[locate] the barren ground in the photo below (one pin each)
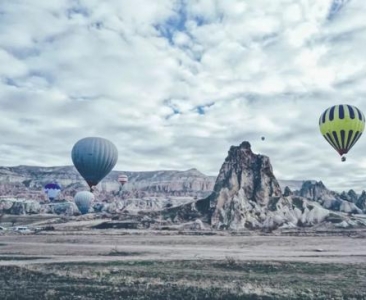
(122, 264)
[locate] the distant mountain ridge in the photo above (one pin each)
(191, 181)
(27, 179)
(169, 181)
(244, 195)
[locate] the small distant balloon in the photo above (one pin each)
(52, 190)
(83, 201)
(263, 138)
(122, 179)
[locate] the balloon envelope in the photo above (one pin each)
(122, 179)
(94, 158)
(52, 190)
(342, 126)
(83, 201)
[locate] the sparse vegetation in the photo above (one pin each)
(230, 261)
(12, 258)
(183, 280)
(116, 252)
(164, 265)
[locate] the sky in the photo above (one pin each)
(174, 83)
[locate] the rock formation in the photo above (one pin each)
(350, 196)
(27, 182)
(29, 207)
(344, 202)
(361, 201)
(287, 192)
(245, 184)
(247, 195)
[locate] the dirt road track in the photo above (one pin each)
(39, 249)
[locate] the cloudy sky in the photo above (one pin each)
(175, 83)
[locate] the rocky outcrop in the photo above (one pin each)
(28, 182)
(247, 196)
(361, 201)
(316, 191)
(294, 185)
(15, 207)
(172, 182)
(29, 207)
(245, 185)
(350, 196)
(287, 192)
(63, 208)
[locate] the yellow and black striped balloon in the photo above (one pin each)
(342, 126)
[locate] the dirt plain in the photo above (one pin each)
(143, 264)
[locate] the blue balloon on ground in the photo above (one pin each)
(52, 190)
(83, 201)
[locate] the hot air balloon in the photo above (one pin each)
(52, 190)
(94, 158)
(83, 201)
(263, 138)
(342, 126)
(122, 179)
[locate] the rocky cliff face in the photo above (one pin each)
(245, 183)
(244, 170)
(27, 182)
(29, 207)
(247, 195)
(350, 196)
(22, 188)
(361, 201)
(344, 202)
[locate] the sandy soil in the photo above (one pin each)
(98, 245)
(147, 265)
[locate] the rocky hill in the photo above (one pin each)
(247, 195)
(21, 189)
(28, 182)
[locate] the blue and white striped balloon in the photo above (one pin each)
(52, 190)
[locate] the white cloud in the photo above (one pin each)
(141, 74)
